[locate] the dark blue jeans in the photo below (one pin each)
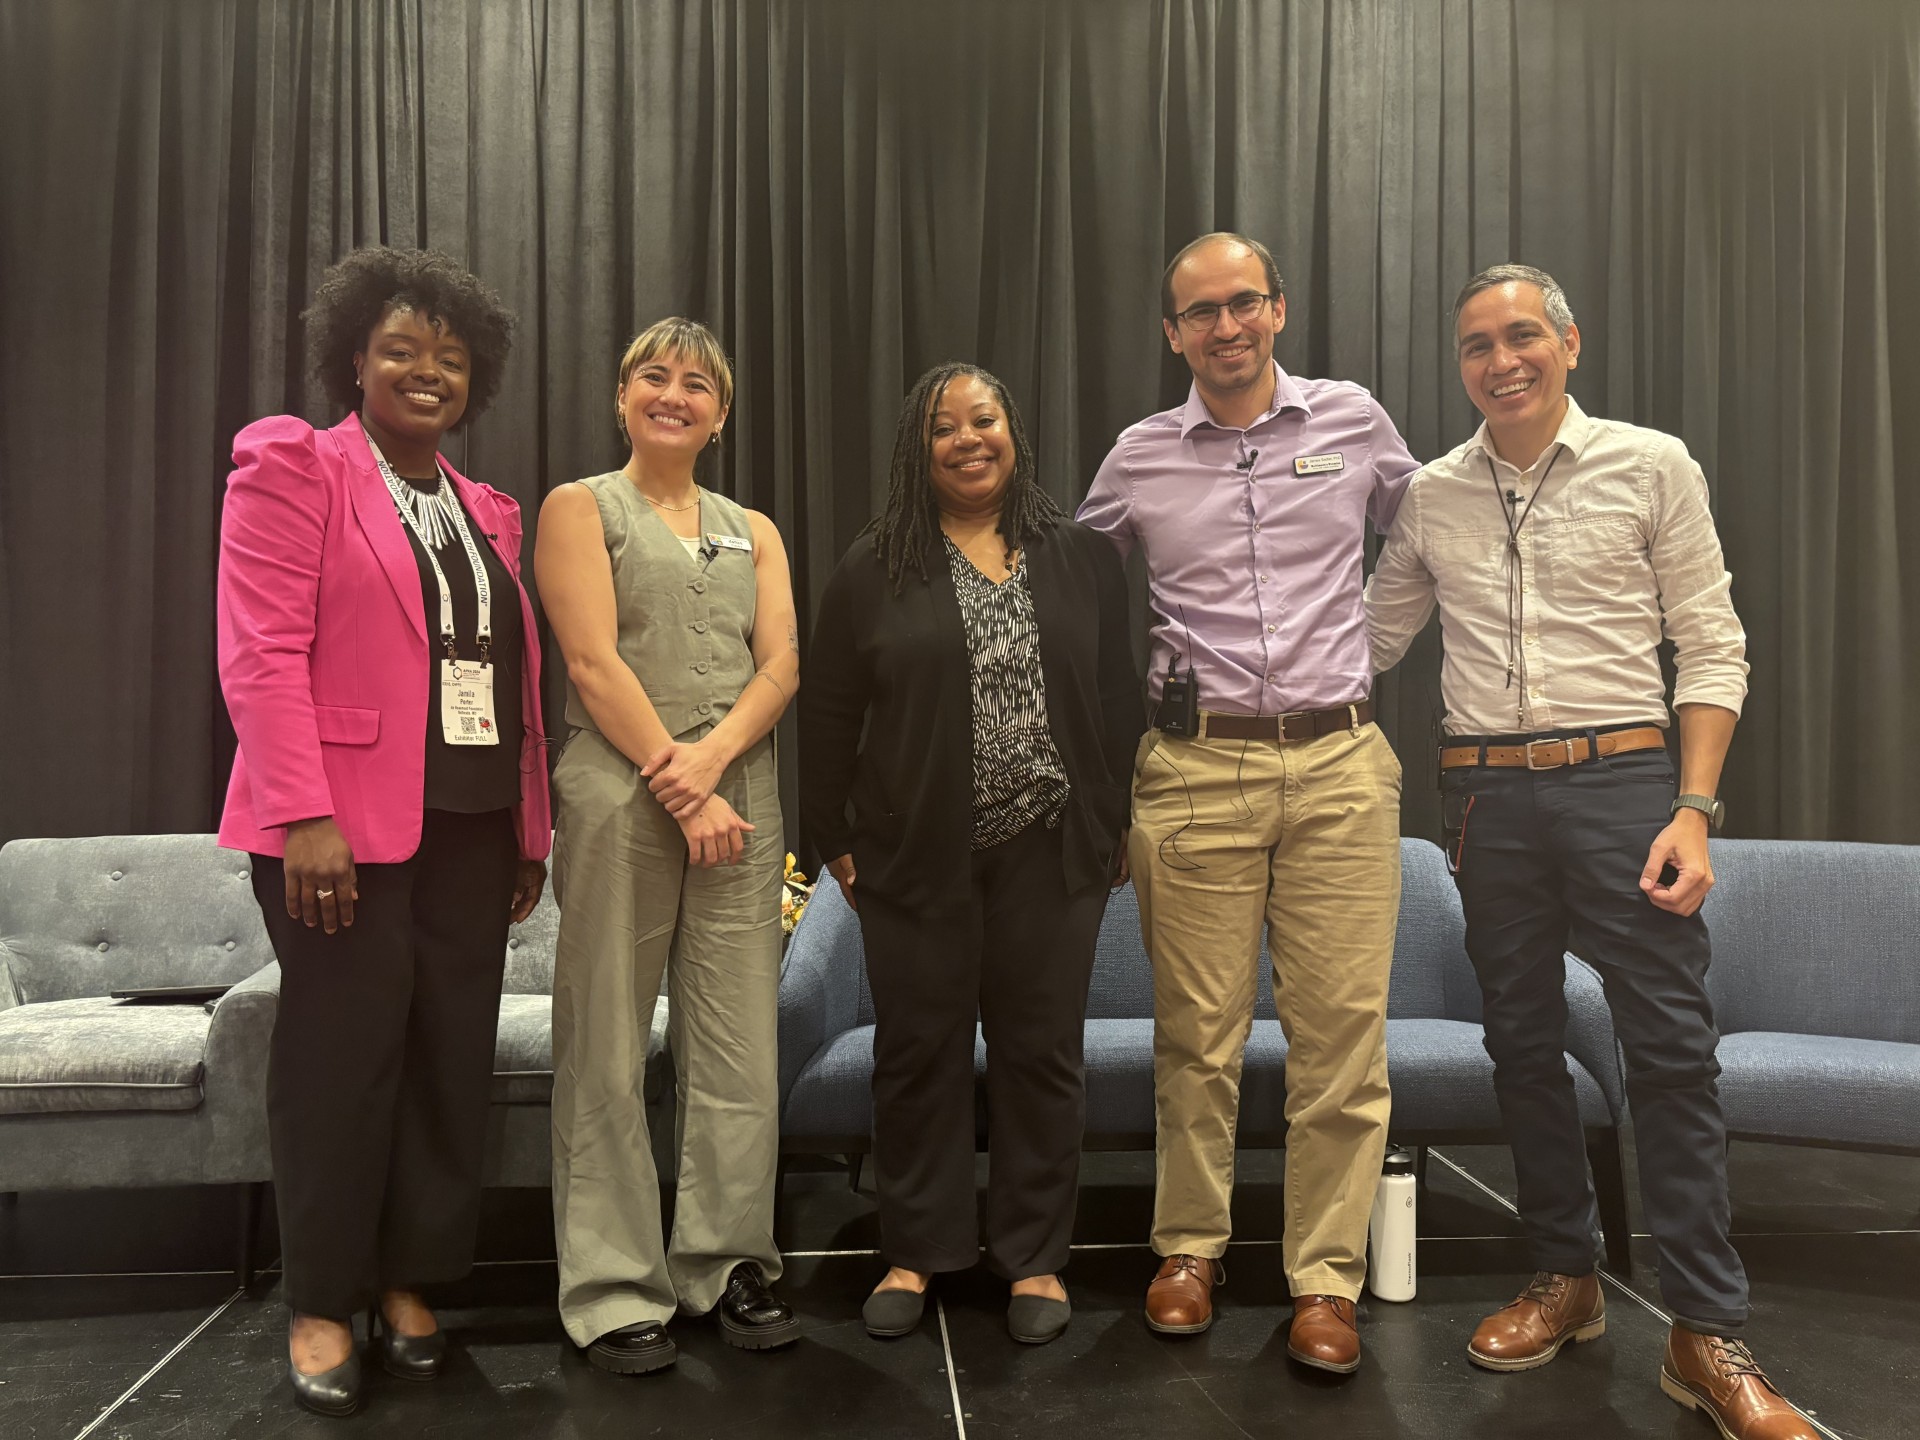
(1550, 861)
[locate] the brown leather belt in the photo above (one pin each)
(1300, 725)
(1552, 754)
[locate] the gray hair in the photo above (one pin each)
(1559, 313)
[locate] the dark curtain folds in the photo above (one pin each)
(850, 192)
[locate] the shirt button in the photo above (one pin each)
(1533, 639)
(1263, 579)
(514, 944)
(229, 944)
(699, 587)
(701, 666)
(699, 627)
(101, 947)
(116, 875)
(1534, 693)
(1270, 629)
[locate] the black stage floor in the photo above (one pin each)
(118, 1320)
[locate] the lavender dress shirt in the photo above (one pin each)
(1253, 540)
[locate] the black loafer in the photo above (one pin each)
(751, 1316)
(889, 1314)
(334, 1392)
(634, 1349)
(409, 1357)
(1035, 1319)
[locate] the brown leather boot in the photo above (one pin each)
(1180, 1299)
(1721, 1377)
(1551, 1311)
(1325, 1333)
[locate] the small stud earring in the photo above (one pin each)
(714, 438)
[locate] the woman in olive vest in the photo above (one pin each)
(674, 610)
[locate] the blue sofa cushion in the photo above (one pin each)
(1821, 1087)
(98, 1054)
(1439, 1068)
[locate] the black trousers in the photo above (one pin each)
(1551, 860)
(381, 1070)
(1019, 956)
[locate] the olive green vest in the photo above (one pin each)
(686, 621)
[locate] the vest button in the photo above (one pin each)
(703, 707)
(699, 587)
(699, 627)
(701, 666)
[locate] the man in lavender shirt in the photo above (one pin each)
(1274, 799)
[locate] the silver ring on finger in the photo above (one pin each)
(324, 894)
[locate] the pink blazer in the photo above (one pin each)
(323, 646)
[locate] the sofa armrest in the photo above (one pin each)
(238, 1042)
(9, 995)
(819, 982)
(1590, 1038)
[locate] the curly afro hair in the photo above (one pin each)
(357, 292)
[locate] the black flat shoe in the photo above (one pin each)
(890, 1314)
(751, 1316)
(409, 1357)
(634, 1349)
(334, 1392)
(1035, 1319)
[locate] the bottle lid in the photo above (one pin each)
(1398, 1162)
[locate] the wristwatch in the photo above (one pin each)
(1714, 810)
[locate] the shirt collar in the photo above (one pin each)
(1575, 429)
(1287, 395)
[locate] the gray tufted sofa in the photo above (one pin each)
(1442, 1077)
(97, 1093)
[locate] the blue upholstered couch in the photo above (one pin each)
(1442, 1079)
(1816, 986)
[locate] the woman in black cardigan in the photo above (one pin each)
(972, 699)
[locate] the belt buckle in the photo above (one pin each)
(1563, 740)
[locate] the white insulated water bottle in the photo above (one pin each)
(1390, 1245)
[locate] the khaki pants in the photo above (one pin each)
(1304, 837)
(631, 908)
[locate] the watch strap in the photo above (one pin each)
(1706, 804)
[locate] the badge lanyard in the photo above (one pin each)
(466, 690)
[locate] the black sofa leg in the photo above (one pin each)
(780, 1202)
(249, 1217)
(1420, 1167)
(1610, 1190)
(853, 1171)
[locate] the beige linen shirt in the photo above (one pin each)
(1561, 628)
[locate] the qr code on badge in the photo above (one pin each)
(467, 726)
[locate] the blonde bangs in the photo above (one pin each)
(688, 341)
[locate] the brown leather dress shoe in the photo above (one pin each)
(1180, 1299)
(1721, 1377)
(1325, 1333)
(1551, 1311)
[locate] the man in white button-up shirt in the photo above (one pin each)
(1560, 549)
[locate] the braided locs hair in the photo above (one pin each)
(908, 527)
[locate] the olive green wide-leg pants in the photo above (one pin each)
(631, 909)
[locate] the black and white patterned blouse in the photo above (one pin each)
(1017, 774)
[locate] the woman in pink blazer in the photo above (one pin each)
(382, 667)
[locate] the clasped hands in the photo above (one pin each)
(682, 778)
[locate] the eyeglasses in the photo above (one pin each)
(1206, 314)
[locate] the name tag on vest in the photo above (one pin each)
(729, 542)
(1319, 464)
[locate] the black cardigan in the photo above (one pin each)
(897, 668)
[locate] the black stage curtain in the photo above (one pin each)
(851, 191)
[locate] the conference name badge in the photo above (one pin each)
(729, 542)
(1319, 464)
(466, 703)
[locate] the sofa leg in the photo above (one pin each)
(853, 1171)
(1420, 1166)
(1610, 1190)
(780, 1202)
(249, 1218)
